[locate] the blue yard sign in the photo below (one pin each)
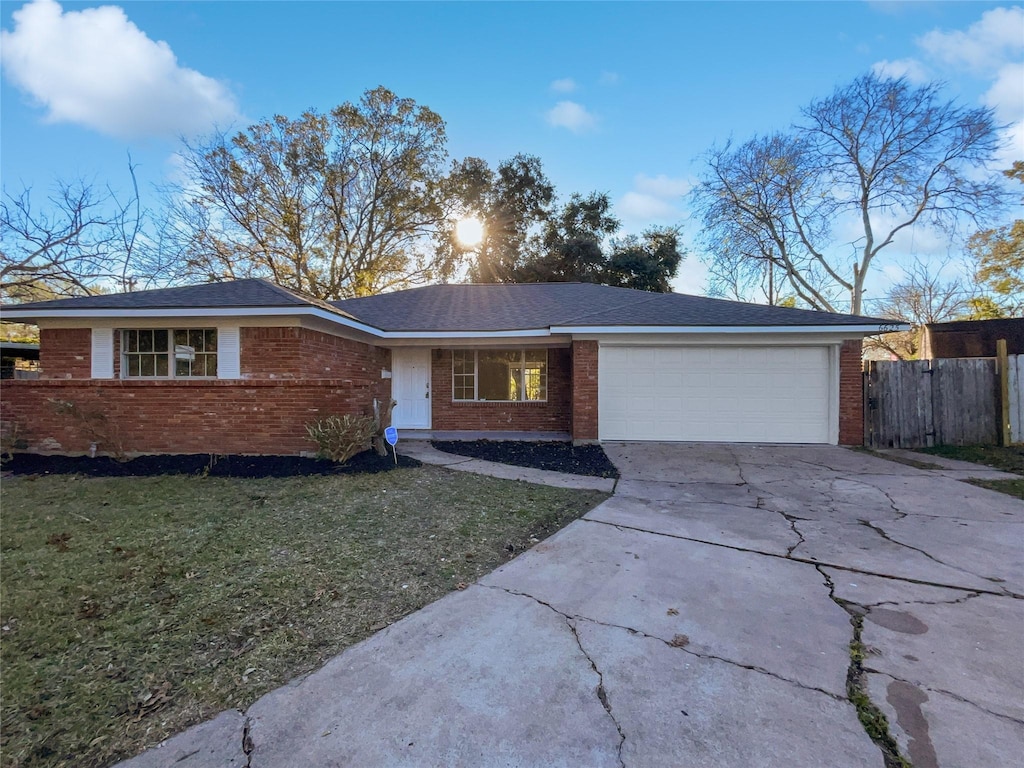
(391, 435)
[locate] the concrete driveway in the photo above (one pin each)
(702, 616)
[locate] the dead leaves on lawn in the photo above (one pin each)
(150, 701)
(59, 540)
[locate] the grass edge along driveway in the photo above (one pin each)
(131, 608)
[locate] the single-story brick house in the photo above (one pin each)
(241, 367)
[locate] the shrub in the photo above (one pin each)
(339, 438)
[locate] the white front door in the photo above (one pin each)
(410, 387)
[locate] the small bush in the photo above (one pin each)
(339, 438)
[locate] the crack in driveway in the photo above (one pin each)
(807, 561)
(602, 692)
(944, 692)
(669, 643)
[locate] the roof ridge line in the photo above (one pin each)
(578, 318)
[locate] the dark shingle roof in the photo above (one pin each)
(526, 306)
(454, 308)
(250, 292)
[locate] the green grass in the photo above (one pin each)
(1009, 487)
(1008, 458)
(132, 608)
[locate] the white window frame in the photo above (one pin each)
(123, 373)
(476, 374)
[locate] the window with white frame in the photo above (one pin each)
(500, 375)
(169, 353)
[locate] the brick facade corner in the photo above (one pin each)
(851, 393)
(584, 390)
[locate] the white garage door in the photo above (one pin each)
(726, 394)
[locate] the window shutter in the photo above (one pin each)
(229, 364)
(102, 353)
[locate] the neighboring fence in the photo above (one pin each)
(1016, 369)
(914, 403)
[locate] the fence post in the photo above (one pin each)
(1003, 364)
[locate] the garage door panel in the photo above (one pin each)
(734, 394)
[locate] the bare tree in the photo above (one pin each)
(878, 156)
(922, 297)
(335, 205)
(85, 240)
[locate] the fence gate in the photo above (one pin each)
(915, 403)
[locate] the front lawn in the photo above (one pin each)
(131, 608)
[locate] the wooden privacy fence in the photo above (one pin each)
(915, 403)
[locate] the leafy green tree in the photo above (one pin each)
(512, 202)
(878, 157)
(335, 205)
(646, 263)
(999, 254)
(529, 239)
(571, 246)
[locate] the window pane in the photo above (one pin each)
(496, 373)
(181, 336)
(211, 364)
(145, 341)
(181, 368)
(133, 365)
(146, 365)
(161, 365)
(195, 339)
(211, 340)
(131, 341)
(536, 375)
(159, 341)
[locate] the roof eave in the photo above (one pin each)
(33, 316)
(727, 329)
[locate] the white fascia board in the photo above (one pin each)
(602, 330)
(32, 316)
(241, 312)
(465, 334)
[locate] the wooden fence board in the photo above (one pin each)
(915, 403)
(1016, 369)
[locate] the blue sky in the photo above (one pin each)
(617, 97)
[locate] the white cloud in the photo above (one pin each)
(563, 85)
(662, 185)
(569, 114)
(1006, 98)
(96, 68)
(653, 200)
(609, 78)
(644, 207)
(985, 44)
(913, 70)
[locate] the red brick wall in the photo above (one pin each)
(293, 376)
(584, 387)
(300, 353)
(254, 417)
(851, 394)
(551, 416)
(65, 353)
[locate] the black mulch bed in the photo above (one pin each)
(554, 455)
(367, 462)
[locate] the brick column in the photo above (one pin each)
(584, 391)
(851, 394)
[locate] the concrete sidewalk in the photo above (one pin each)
(702, 616)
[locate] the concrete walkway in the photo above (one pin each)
(702, 616)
